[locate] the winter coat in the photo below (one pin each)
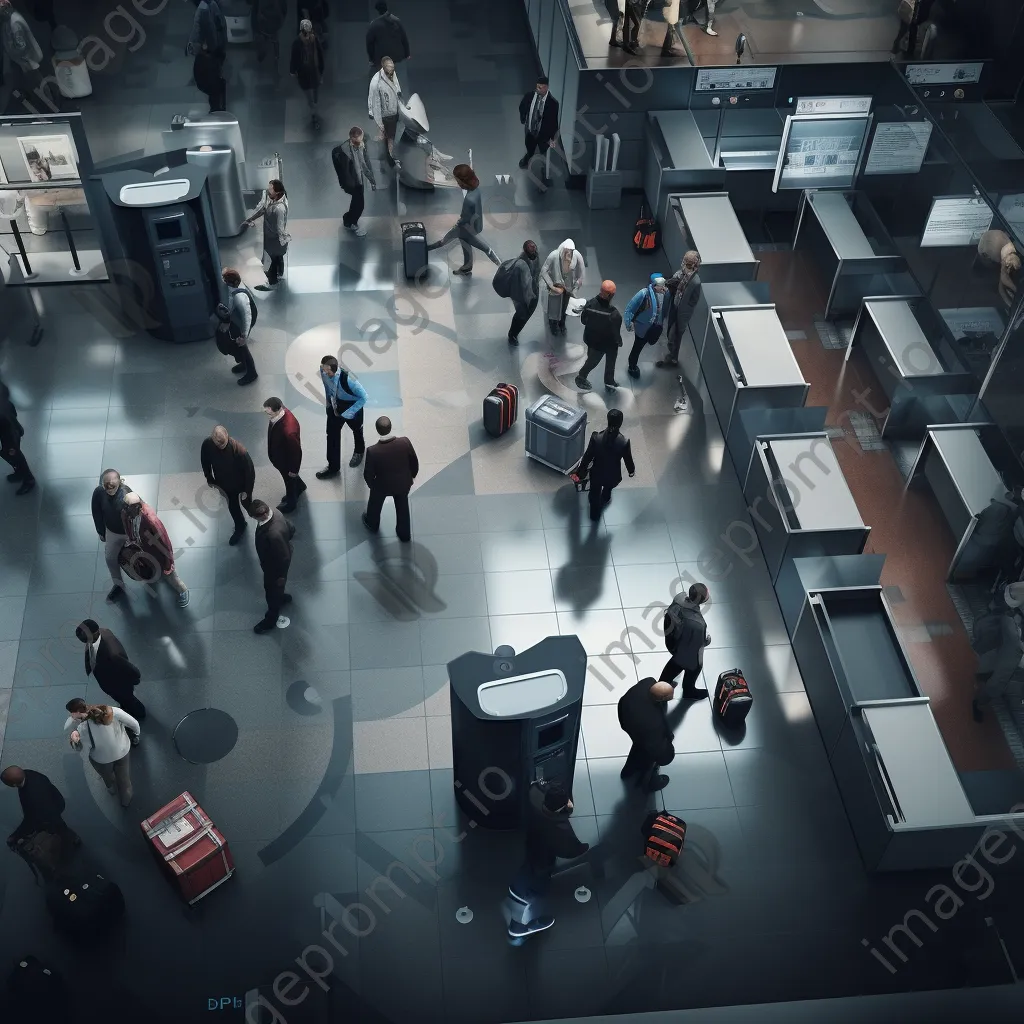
(602, 324)
(386, 38)
(229, 467)
(647, 307)
(525, 281)
(644, 720)
(307, 63)
(551, 273)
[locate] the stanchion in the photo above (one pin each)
(78, 271)
(27, 271)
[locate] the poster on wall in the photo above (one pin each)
(956, 220)
(820, 151)
(49, 157)
(898, 147)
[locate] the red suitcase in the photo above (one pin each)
(501, 409)
(194, 853)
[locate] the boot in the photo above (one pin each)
(666, 46)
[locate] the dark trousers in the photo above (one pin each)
(672, 668)
(276, 269)
(355, 208)
(128, 701)
(235, 505)
(266, 42)
(531, 883)
(274, 593)
(293, 487)
(635, 352)
(217, 96)
(594, 356)
(639, 763)
(243, 357)
(923, 13)
(520, 318)
(466, 238)
(630, 26)
(334, 425)
(390, 131)
(373, 508)
(534, 145)
(599, 494)
(17, 461)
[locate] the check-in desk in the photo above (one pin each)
(718, 295)
(706, 221)
(910, 349)
(742, 138)
(748, 364)
(953, 462)
(850, 248)
(800, 502)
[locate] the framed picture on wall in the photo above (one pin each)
(49, 157)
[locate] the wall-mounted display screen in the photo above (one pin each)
(739, 79)
(944, 74)
(821, 151)
(898, 147)
(833, 105)
(956, 220)
(166, 230)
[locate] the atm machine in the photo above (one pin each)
(515, 720)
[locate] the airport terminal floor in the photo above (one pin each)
(340, 780)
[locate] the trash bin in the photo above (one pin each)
(69, 66)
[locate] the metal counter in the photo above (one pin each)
(706, 221)
(718, 295)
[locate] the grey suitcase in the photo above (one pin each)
(556, 433)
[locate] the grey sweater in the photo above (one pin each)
(275, 224)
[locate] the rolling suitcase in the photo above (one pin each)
(556, 433)
(732, 698)
(84, 904)
(664, 835)
(501, 409)
(414, 249)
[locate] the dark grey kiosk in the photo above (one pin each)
(707, 222)
(515, 719)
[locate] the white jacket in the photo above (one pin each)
(105, 743)
(551, 273)
(384, 97)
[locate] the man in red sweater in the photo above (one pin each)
(147, 545)
(284, 447)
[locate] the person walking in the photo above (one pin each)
(11, 433)
(645, 317)
(383, 101)
(274, 550)
(107, 505)
(391, 467)
(686, 636)
(236, 321)
(602, 327)
(694, 6)
(107, 662)
(913, 13)
(606, 453)
(42, 806)
(386, 38)
(470, 223)
(549, 835)
(684, 291)
(525, 289)
(562, 272)
(307, 66)
(642, 715)
(345, 400)
(267, 18)
(207, 70)
(352, 165)
(209, 30)
(273, 208)
(538, 113)
(228, 467)
(150, 543)
(106, 736)
(19, 43)
(284, 448)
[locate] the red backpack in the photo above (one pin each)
(664, 835)
(647, 234)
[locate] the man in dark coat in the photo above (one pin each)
(525, 288)
(642, 715)
(284, 447)
(42, 806)
(391, 467)
(352, 165)
(386, 38)
(107, 661)
(228, 467)
(602, 334)
(603, 459)
(538, 114)
(684, 293)
(686, 636)
(11, 433)
(207, 72)
(267, 18)
(274, 550)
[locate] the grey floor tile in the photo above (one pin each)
(398, 693)
(596, 628)
(698, 780)
(383, 645)
(514, 550)
(519, 593)
(603, 734)
(393, 800)
(441, 640)
(8, 661)
(521, 632)
(391, 745)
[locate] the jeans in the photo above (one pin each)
(116, 777)
(334, 425)
(467, 238)
(111, 549)
(373, 509)
(594, 356)
(243, 357)
(520, 318)
(355, 208)
(276, 269)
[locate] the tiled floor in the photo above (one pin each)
(342, 772)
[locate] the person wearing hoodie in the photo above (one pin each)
(209, 30)
(11, 433)
(144, 531)
(562, 273)
(267, 18)
(684, 291)
(605, 455)
(686, 636)
(383, 101)
(386, 37)
(19, 43)
(602, 326)
(107, 504)
(549, 835)
(470, 223)
(236, 320)
(228, 467)
(525, 281)
(645, 316)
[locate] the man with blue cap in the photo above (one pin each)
(645, 317)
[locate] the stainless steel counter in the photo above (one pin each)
(706, 221)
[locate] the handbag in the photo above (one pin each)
(653, 334)
(646, 233)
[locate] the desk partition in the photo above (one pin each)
(706, 221)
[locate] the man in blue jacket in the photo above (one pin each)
(345, 400)
(645, 316)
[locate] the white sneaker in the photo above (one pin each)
(357, 230)
(710, 31)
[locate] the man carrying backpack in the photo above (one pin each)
(237, 320)
(517, 279)
(686, 636)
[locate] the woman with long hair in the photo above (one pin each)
(273, 208)
(107, 736)
(470, 223)
(307, 65)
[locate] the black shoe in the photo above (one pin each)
(357, 457)
(611, 385)
(239, 368)
(512, 340)
(263, 626)
(463, 272)
(265, 287)
(665, 364)
(582, 383)
(976, 713)
(116, 592)
(658, 782)
(404, 540)
(326, 474)
(286, 506)
(236, 536)
(286, 599)
(519, 899)
(522, 931)
(523, 163)
(249, 378)
(16, 476)
(634, 372)
(366, 523)
(301, 485)
(614, 42)
(694, 693)
(553, 326)
(26, 486)
(632, 49)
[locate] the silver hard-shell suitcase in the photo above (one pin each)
(556, 433)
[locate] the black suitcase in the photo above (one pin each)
(732, 698)
(501, 409)
(84, 904)
(37, 992)
(414, 249)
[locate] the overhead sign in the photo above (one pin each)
(833, 105)
(898, 147)
(956, 220)
(944, 74)
(820, 151)
(737, 79)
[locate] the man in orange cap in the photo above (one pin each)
(602, 334)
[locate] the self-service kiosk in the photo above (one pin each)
(515, 719)
(165, 228)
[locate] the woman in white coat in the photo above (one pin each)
(562, 273)
(106, 735)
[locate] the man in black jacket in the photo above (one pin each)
(11, 433)
(525, 290)
(42, 806)
(274, 550)
(602, 334)
(549, 835)
(390, 469)
(642, 715)
(108, 501)
(686, 636)
(603, 459)
(228, 467)
(538, 113)
(352, 165)
(107, 661)
(684, 291)
(386, 38)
